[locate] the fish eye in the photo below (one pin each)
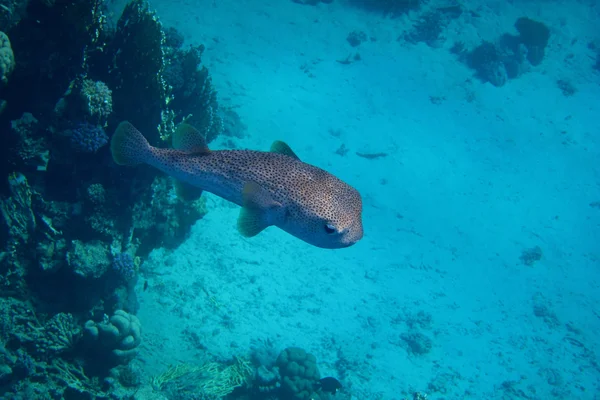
(330, 229)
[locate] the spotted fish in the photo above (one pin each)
(273, 188)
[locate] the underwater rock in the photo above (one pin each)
(7, 58)
(118, 336)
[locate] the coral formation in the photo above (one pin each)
(299, 373)
(85, 100)
(210, 380)
(139, 94)
(534, 35)
(31, 146)
(89, 260)
(7, 58)
(88, 138)
(117, 337)
(124, 265)
(193, 97)
(509, 56)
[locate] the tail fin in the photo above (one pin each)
(128, 146)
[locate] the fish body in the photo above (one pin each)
(329, 385)
(273, 188)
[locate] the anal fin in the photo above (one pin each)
(187, 192)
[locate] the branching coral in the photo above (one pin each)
(56, 336)
(210, 380)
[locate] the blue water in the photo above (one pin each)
(474, 175)
(478, 275)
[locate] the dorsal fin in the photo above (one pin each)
(187, 138)
(282, 148)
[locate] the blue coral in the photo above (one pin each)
(124, 265)
(88, 138)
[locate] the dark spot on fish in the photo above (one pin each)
(145, 285)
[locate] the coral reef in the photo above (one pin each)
(75, 229)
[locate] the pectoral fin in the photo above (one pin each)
(259, 210)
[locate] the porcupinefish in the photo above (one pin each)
(273, 188)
